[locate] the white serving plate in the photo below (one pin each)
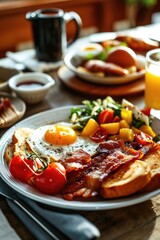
(72, 60)
(59, 114)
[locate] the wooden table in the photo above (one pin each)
(141, 221)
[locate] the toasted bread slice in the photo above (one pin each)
(19, 141)
(21, 134)
(127, 180)
(18, 146)
(9, 153)
(153, 161)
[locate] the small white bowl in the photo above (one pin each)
(90, 49)
(31, 87)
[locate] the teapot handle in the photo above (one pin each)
(68, 16)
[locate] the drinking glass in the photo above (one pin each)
(152, 79)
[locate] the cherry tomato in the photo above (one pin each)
(21, 169)
(143, 138)
(146, 111)
(116, 119)
(99, 135)
(106, 116)
(52, 180)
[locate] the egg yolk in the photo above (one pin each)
(60, 135)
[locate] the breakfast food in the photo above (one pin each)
(7, 112)
(152, 160)
(115, 57)
(138, 44)
(92, 49)
(143, 175)
(106, 68)
(57, 140)
(129, 179)
(4, 103)
(108, 150)
(112, 61)
(122, 56)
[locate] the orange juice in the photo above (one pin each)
(152, 79)
(152, 89)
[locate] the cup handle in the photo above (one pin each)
(76, 18)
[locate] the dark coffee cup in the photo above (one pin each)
(49, 32)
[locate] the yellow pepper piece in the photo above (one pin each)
(135, 130)
(126, 114)
(90, 127)
(126, 134)
(111, 128)
(147, 129)
(124, 124)
(114, 137)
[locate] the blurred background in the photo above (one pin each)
(96, 15)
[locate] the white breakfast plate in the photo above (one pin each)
(72, 60)
(59, 114)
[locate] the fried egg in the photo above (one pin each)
(90, 49)
(59, 140)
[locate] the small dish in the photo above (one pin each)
(31, 87)
(92, 49)
(72, 60)
(13, 113)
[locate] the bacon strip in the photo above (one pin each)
(87, 182)
(76, 160)
(4, 103)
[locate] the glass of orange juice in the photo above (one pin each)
(152, 79)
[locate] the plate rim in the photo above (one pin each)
(55, 201)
